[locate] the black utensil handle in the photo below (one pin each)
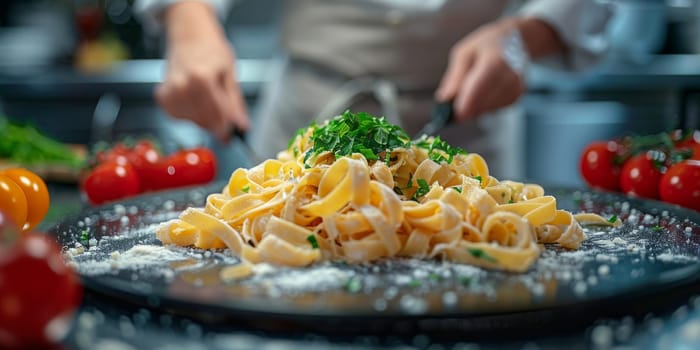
(443, 113)
(241, 134)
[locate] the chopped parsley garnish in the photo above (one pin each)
(357, 133)
(480, 254)
(612, 219)
(422, 190)
(438, 150)
(84, 237)
(313, 241)
(373, 137)
(658, 228)
(354, 285)
(457, 188)
(478, 177)
(510, 201)
(245, 188)
(465, 281)
(409, 183)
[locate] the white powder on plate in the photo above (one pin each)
(138, 257)
(675, 258)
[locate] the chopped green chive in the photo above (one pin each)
(422, 190)
(245, 188)
(612, 219)
(480, 254)
(415, 283)
(84, 237)
(478, 177)
(438, 150)
(313, 241)
(457, 188)
(465, 281)
(409, 183)
(658, 228)
(510, 201)
(354, 285)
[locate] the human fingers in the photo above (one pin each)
(461, 60)
(489, 85)
(505, 91)
(473, 87)
(238, 112)
(192, 96)
(173, 96)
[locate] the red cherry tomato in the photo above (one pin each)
(183, 168)
(681, 184)
(691, 151)
(38, 293)
(110, 181)
(597, 165)
(685, 139)
(118, 152)
(641, 174)
(143, 155)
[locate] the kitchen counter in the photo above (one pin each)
(106, 323)
(655, 73)
(136, 77)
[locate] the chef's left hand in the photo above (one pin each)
(478, 77)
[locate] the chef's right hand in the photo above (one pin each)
(200, 83)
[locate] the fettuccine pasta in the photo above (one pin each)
(422, 199)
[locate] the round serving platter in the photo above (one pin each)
(652, 259)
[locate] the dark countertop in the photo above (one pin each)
(106, 323)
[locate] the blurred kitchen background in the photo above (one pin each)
(84, 71)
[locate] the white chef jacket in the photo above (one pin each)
(387, 57)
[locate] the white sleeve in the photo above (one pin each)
(149, 12)
(580, 24)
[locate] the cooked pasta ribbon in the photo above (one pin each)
(408, 202)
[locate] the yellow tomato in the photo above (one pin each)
(13, 202)
(36, 193)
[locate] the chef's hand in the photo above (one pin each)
(478, 77)
(200, 82)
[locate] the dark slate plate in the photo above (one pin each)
(652, 260)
